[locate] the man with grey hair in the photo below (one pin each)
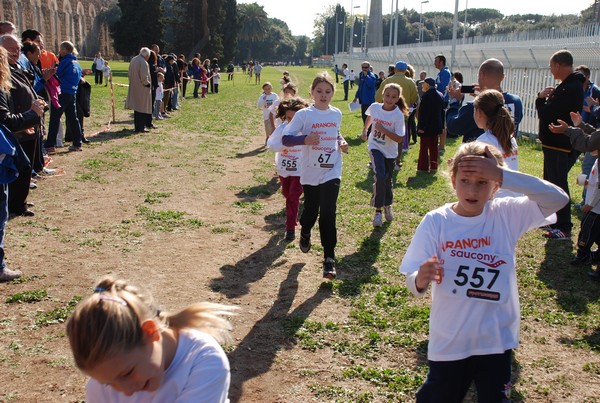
(7, 27)
(139, 95)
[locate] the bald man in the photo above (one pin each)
(460, 121)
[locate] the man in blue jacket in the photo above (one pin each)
(365, 94)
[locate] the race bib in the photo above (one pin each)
(323, 157)
(288, 164)
(477, 275)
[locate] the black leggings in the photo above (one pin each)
(321, 201)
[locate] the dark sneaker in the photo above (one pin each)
(329, 268)
(558, 234)
(304, 242)
(7, 274)
(581, 259)
(290, 235)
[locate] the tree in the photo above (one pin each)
(130, 32)
(230, 28)
(254, 24)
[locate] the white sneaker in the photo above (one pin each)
(7, 274)
(166, 116)
(397, 167)
(377, 220)
(387, 211)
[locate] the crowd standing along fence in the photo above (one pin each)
(525, 56)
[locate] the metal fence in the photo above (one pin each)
(525, 56)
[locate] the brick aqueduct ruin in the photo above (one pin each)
(80, 22)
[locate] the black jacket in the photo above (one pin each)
(567, 97)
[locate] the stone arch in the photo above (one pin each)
(54, 36)
(69, 29)
(37, 15)
(81, 26)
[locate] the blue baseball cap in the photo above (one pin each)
(401, 66)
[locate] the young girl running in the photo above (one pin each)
(318, 129)
(134, 352)
(491, 115)
(467, 249)
(288, 163)
(265, 101)
(387, 132)
(289, 91)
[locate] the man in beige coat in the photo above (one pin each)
(139, 96)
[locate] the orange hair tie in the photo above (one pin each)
(150, 329)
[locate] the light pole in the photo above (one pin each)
(421, 22)
(396, 30)
(366, 27)
(352, 7)
(336, 31)
(465, 25)
(326, 37)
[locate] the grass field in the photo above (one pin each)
(372, 328)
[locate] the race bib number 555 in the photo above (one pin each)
(477, 275)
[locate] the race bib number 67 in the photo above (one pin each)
(476, 275)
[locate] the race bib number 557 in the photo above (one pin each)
(477, 275)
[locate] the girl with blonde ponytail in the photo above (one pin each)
(135, 352)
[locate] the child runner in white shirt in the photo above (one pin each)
(491, 115)
(289, 91)
(216, 79)
(467, 249)
(265, 101)
(388, 130)
(289, 165)
(133, 352)
(318, 129)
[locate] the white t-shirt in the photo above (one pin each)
(287, 159)
(346, 74)
(510, 159)
(352, 76)
(475, 310)
(323, 162)
(159, 92)
(393, 121)
(216, 78)
(264, 103)
(106, 69)
(199, 373)
(591, 195)
(99, 63)
(273, 110)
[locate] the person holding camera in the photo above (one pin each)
(459, 119)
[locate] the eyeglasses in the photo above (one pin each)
(364, 67)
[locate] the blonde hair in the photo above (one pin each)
(69, 47)
(323, 77)
(499, 121)
(473, 148)
(109, 321)
(5, 81)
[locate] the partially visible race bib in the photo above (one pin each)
(477, 275)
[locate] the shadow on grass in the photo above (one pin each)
(252, 153)
(420, 180)
(357, 269)
(574, 290)
(260, 191)
(257, 352)
(110, 135)
(236, 279)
